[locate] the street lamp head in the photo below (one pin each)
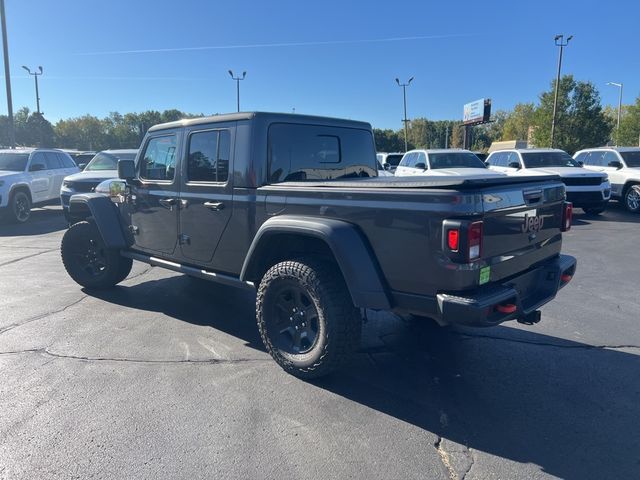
(558, 37)
(40, 68)
(26, 68)
(231, 73)
(569, 38)
(398, 81)
(244, 74)
(410, 80)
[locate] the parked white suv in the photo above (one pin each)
(442, 162)
(585, 189)
(622, 165)
(31, 177)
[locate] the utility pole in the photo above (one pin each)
(237, 79)
(35, 74)
(404, 97)
(560, 42)
(7, 77)
(619, 85)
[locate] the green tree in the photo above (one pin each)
(580, 120)
(518, 122)
(83, 133)
(629, 124)
(38, 132)
(388, 140)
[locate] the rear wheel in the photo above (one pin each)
(88, 261)
(19, 207)
(632, 198)
(306, 318)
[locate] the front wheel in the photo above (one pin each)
(88, 261)
(306, 317)
(632, 198)
(19, 207)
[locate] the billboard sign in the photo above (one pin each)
(474, 112)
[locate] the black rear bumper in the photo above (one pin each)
(517, 298)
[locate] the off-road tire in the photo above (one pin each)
(339, 321)
(76, 243)
(19, 208)
(630, 190)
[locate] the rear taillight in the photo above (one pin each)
(475, 241)
(462, 240)
(567, 216)
(453, 239)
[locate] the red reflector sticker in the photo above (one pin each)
(507, 308)
(566, 277)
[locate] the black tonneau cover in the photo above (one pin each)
(459, 183)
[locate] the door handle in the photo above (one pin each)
(215, 206)
(167, 202)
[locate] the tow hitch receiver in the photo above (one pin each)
(530, 318)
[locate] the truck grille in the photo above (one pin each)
(82, 187)
(581, 181)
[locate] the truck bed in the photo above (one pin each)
(444, 182)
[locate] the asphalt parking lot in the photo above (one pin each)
(166, 377)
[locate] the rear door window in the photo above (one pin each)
(52, 161)
(316, 152)
(209, 154)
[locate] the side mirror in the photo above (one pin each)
(515, 165)
(581, 163)
(126, 169)
(615, 164)
(420, 165)
(36, 167)
(81, 166)
(386, 166)
(486, 163)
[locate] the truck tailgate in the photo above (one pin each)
(522, 226)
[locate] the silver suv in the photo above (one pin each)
(622, 165)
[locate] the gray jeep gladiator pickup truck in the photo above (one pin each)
(292, 206)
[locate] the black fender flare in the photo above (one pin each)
(350, 249)
(105, 215)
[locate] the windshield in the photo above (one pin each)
(455, 160)
(548, 159)
(107, 161)
(13, 162)
(632, 159)
(394, 160)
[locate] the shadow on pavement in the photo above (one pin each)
(570, 408)
(615, 212)
(42, 221)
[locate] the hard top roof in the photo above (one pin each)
(269, 116)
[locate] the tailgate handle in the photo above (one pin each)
(532, 196)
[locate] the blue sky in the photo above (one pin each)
(345, 56)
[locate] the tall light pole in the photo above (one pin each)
(7, 76)
(404, 98)
(619, 85)
(35, 74)
(560, 42)
(237, 79)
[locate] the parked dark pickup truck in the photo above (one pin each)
(291, 205)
